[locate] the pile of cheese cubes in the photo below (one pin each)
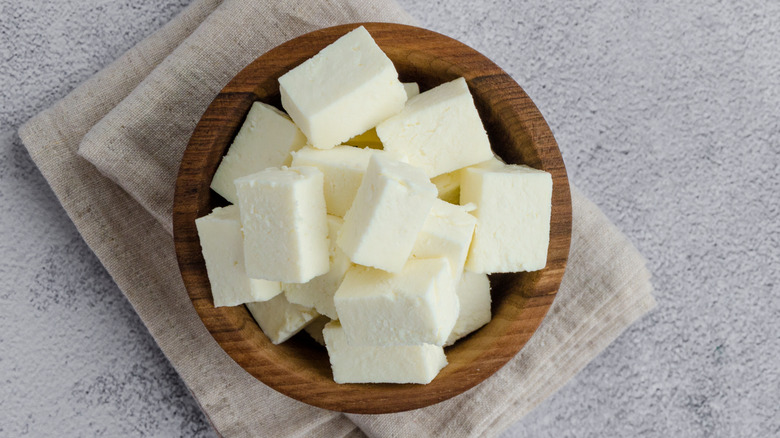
(370, 215)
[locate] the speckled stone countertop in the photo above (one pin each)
(667, 114)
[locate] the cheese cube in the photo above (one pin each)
(314, 329)
(318, 293)
(513, 217)
(448, 185)
(474, 295)
(343, 168)
(390, 208)
(418, 305)
(223, 250)
(372, 364)
(265, 140)
(279, 319)
(411, 89)
(344, 90)
(438, 130)
(446, 233)
(285, 224)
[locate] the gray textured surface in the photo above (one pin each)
(667, 114)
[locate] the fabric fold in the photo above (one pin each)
(110, 151)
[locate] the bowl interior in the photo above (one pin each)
(299, 367)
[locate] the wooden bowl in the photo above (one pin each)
(300, 368)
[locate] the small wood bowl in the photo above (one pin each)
(299, 367)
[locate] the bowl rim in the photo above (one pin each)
(282, 370)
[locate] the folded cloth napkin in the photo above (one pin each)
(111, 149)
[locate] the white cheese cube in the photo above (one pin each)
(285, 224)
(343, 168)
(438, 130)
(411, 89)
(474, 295)
(390, 208)
(344, 90)
(446, 233)
(418, 305)
(314, 329)
(279, 319)
(389, 364)
(223, 250)
(448, 185)
(513, 217)
(265, 140)
(318, 293)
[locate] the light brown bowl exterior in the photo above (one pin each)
(300, 368)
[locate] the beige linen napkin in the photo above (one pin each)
(111, 149)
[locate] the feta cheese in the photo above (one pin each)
(389, 209)
(318, 293)
(314, 329)
(438, 130)
(223, 250)
(265, 140)
(389, 364)
(446, 233)
(418, 305)
(285, 224)
(279, 319)
(474, 295)
(343, 168)
(344, 90)
(513, 217)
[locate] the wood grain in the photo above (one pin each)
(299, 368)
